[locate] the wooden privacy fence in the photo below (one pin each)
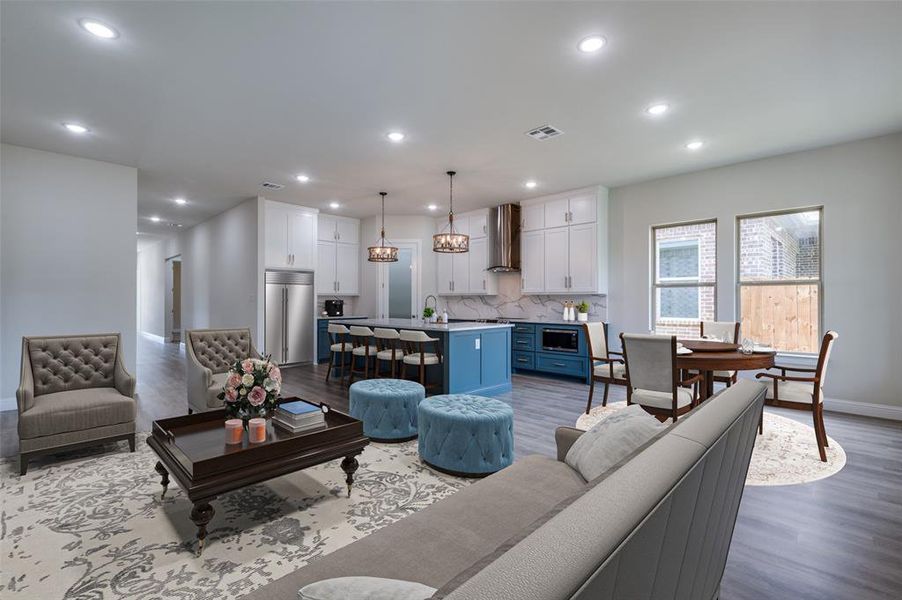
(781, 316)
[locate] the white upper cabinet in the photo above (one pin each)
(290, 234)
(583, 208)
(564, 243)
(338, 270)
(532, 217)
(276, 250)
(347, 231)
(478, 223)
(347, 269)
(325, 268)
(532, 261)
(557, 257)
(302, 239)
(581, 250)
(326, 230)
(465, 274)
(556, 213)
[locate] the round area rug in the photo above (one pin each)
(786, 454)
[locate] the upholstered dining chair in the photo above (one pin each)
(73, 391)
(389, 349)
(209, 354)
(722, 330)
(416, 344)
(363, 348)
(654, 379)
(605, 368)
(340, 345)
(803, 392)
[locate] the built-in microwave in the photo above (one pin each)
(560, 340)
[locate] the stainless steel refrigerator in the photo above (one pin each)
(288, 320)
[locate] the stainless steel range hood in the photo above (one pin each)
(504, 238)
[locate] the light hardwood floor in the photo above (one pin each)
(838, 538)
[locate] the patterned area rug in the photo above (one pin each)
(92, 525)
(786, 454)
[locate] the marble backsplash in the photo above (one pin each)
(511, 303)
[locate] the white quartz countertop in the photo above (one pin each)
(342, 317)
(418, 325)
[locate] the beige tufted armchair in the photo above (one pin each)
(73, 391)
(209, 354)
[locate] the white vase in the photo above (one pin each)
(582, 317)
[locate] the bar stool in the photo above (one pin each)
(388, 348)
(339, 343)
(415, 353)
(361, 336)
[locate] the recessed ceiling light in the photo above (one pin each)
(155, 219)
(432, 207)
(137, 233)
(530, 184)
(395, 136)
(657, 109)
(75, 128)
(180, 201)
(334, 205)
(303, 178)
(694, 145)
(593, 43)
(98, 29)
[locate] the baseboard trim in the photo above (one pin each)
(154, 337)
(8, 404)
(864, 409)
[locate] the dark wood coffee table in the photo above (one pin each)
(192, 449)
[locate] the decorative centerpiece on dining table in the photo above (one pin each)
(251, 389)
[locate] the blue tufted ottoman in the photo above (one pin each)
(387, 407)
(466, 435)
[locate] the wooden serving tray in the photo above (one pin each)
(709, 346)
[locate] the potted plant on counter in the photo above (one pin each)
(582, 312)
(428, 315)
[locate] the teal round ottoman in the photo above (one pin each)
(387, 407)
(466, 435)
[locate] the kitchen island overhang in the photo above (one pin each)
(476, 357)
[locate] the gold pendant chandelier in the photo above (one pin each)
(383, 251)
(450, 241)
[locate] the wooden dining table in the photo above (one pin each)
(707, 357)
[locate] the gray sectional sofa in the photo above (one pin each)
(657, 525)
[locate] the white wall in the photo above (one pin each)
(152, 287)
(68, 251)
(396, 228)
(860, 186)
(220, 271)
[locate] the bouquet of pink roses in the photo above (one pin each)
(251, 388)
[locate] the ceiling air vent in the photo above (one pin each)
(544, 132)
(272, 186)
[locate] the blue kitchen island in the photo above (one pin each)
(476, 356)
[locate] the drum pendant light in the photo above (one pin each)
(383, 251)
(450, 241)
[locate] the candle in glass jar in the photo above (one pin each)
(234, 429)
(256, 430)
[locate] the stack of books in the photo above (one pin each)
(298, 416)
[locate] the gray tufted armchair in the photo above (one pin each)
(209, 354)
(73, 391)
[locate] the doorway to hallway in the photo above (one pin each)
(174, 299)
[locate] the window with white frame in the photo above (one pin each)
(779, 288)
(684, 276)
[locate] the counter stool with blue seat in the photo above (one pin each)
(466, 435)
(387, 407)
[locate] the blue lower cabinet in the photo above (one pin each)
(523, 341)
(524, 360)
(322, 341)
(480, 362)
(561, 364)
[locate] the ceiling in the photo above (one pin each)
(209, 100)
